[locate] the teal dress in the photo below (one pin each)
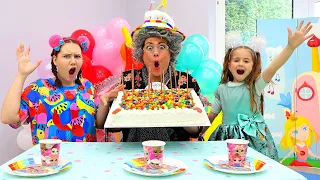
(239, 122)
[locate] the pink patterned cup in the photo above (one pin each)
(153, 153)
(237, 152)
(50, 150)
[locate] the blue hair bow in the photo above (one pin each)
(57, 48)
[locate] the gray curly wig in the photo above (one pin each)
(174, 42)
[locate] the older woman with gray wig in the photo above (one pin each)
(157, 47)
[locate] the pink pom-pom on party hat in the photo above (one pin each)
(56, 41)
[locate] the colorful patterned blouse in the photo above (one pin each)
(66, 113)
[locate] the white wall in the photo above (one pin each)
(303, 8)
(33, 22)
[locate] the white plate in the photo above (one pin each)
(219, 163)
(36, 162)
(136, 165)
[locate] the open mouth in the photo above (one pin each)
(156, 64)
(240, 71)
(72, 71)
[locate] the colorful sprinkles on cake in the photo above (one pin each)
(156, 99)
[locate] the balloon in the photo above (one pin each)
(217, 121)
(127, 37)
(44, 69)
(212, 64)
(137, 65)
(201, 41)
(123, 52)
(210, 97)
(99, 74)
(99, 33)
(107, 84)
(114, 30)
(24, 139)
(26, 126)
(106, 54)
(82, 32)
(179, 67)
(208, 78)
(190, 56)
(86, 67)
(120, 70)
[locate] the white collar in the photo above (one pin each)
(234, 84)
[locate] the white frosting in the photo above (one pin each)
(157, 118)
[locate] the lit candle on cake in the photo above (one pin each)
(314, 43)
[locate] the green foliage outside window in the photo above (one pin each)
(241, 15)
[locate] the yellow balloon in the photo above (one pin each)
(127, 37)
(217, 121)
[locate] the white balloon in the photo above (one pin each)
(24, 139)
(26, 126)
(48, 67)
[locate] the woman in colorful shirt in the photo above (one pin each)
(63, 107)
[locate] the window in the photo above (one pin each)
(305, 92)
(317, 9)
(241, 15)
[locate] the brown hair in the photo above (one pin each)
(54, 67)
(250, 80)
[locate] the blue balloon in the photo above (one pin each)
(208, 77)
(212, 64)
(201, 41)
(180, 67)
(190, 56)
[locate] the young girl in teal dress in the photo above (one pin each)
(240, 98)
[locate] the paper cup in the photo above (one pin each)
(153, 153)
(237, 152)
(50, 149)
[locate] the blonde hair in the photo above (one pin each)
(292, 122)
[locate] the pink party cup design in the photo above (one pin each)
(153, 153)
(50, 149)
(237, 152)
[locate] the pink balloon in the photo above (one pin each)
(114, 29)
(120, 69)
(44, 69)
(99, 33)
(106, 54)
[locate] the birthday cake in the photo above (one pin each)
(155, 108)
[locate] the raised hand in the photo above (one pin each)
(299, 36)
(111, 95)
(25, 66)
